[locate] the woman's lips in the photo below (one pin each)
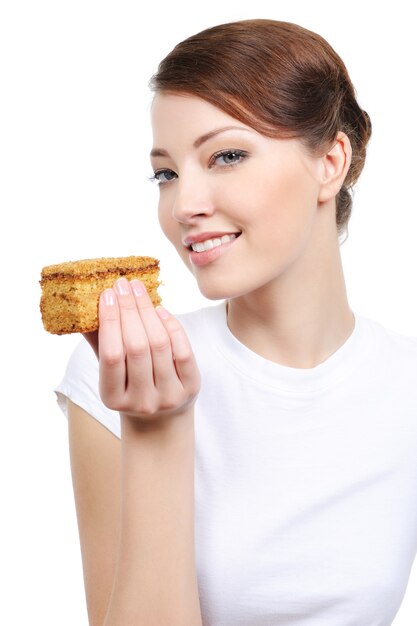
(207, 256)
(201, 237)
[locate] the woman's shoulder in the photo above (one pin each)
(82, 360)
(80, 385)
(386, 333)
(393, 345)
(202, 311)
(203, 318)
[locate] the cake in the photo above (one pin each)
(71, 290)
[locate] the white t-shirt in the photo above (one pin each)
(305, 479)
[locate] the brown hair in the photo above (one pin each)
(279, 78)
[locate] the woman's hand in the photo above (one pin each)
(148, 373)
(147, 367)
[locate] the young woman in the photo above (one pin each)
(253, 462)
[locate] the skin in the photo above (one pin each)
(283, 276)
(284, 285)
(137, 534)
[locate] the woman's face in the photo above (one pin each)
(221, 182)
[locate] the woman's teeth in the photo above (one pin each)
(212, 243)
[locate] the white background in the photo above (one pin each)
(74, 140)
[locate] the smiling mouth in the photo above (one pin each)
(209, 244)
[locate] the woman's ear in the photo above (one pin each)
(335, 165)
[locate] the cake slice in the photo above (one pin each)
(71, 290)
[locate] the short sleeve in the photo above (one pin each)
(80, 385)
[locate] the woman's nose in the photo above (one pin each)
(192, 199)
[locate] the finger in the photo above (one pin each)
(112, 366)
(184, 359)
(138, 354)
(164, 372)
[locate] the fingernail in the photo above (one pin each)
(122, 287)
(108, 297)
(137, 287)
(163, 313)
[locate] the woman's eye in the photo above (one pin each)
(163, 176)
(228, 157)
(221, 159)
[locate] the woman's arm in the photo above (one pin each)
(155, 582)
(95, 468)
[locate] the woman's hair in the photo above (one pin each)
(278, 78)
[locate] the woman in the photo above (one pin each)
(266, 469)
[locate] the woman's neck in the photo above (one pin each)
(301, 318)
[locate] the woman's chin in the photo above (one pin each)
(217, 291)
(213, 291)
(215, 294)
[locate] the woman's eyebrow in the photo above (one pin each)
(155, 152)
